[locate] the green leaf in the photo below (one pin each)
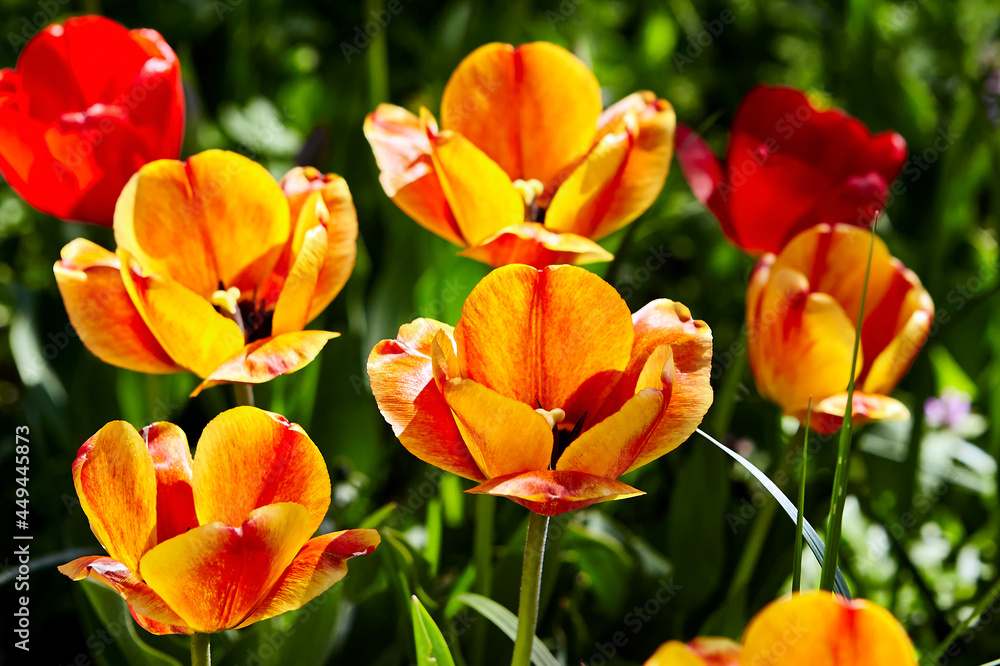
(506, 622)
(428, 639)
(113, 614)
(816, 544)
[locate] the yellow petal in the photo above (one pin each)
(291, 312)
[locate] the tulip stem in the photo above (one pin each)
(201, 650)
(531, 580)
(244, 394)
(483, 557)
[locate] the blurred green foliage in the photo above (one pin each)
(291, 82)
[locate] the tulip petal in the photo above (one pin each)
(115, 481)
(321, 563)
(504, 436)
(168, 446)
(705, 177)
(610, 447)
(534, 245)
(291, 312)
(101, 312)
(263, 360)
(479, 193)
(717, 651)
(559, 337)
(552, 492)
(215, 576)
(664, 322)
(609, 190)
(828, 414)
(819, 628)
(217, 218)
(191, 331)
(158, 628)
(402, 381)
(248, 458)
(138, 595)
(675, 653)
(403, 154)
(532, 109)
(341, 222)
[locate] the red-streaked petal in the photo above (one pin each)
(115, 481)
(503, 435)
(828, 414)
(534, 245)
(248, 458)
(291, 312)
(168, 447)
(215, 575)
(559, 337)
(402, 381)
(552, 492)
(321, 563)
(102, 313)
(263, 360)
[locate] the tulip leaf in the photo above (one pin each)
(113, 614)
(430, 643)
(816, 544)
(506, 622)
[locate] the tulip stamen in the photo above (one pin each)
(226, 301)
(254, 319)
(561, 439)
(530, 190)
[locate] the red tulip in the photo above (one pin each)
(788, 167)
(89, 103)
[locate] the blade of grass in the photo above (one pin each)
(810, 535)
(797, 562)
(839, 498)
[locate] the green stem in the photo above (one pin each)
(839, 498)
(797, 563)
(531, 579)
(483, 558)
(981, 606)
(244, 394)
(201, 650)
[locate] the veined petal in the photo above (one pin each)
(534, 245)
(480, 194)
(665, 322)
(604, 193)
(219, 217)
(403, 154)
(115, 481)
(552, 492)
(828, 414)
(559, 337)
(291, 312)
(533, 109)
(215, 575)
(610, 447)
(263, 360)
(819, 628)
(168, 447)
(161, 619)
(191, 331)
(402, 381)
(504, 436)
(321, 563)
(101, 312)
(248, 458)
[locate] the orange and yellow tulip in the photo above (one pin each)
(217, 541)
(802, 313)
(526, 168)
(815, 628)
(219, 268)
(547, 390)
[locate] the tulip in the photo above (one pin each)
(812, 628)
(525, 167)
(547, 390)
(89, 103)
(218, 270)
(790, 166)
(214, 542)
(802, 314)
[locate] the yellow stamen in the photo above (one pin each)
(553, 416)
(529, 189)
(227, 301)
